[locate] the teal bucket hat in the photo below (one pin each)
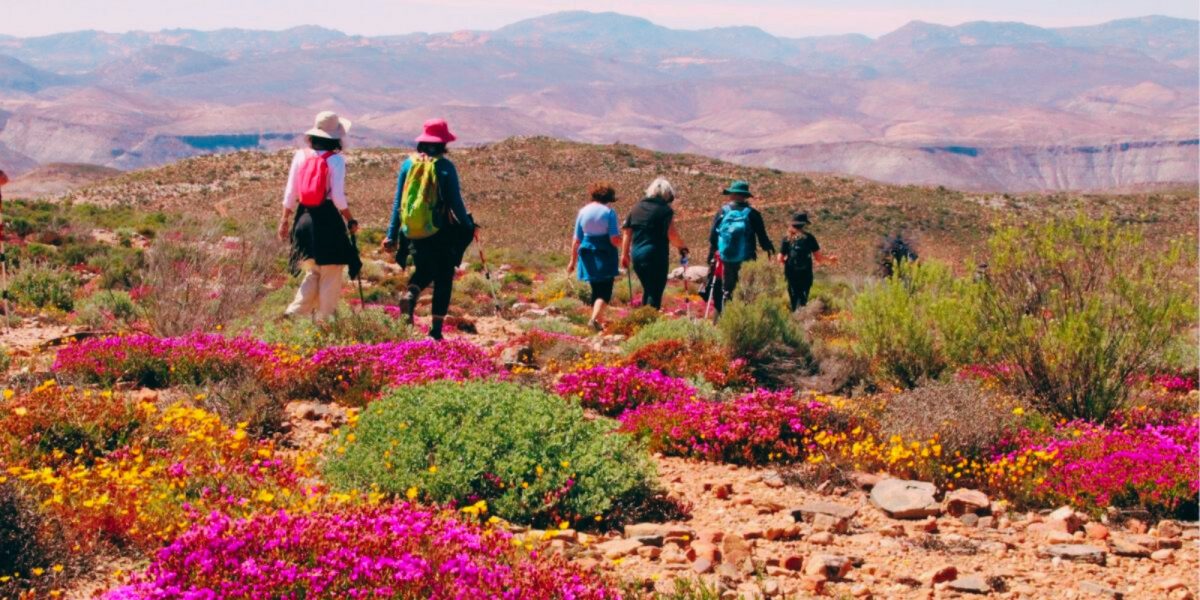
(740, 188)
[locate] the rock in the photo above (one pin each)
(517, 355)
(535, 313)
(1124, 547)
(728, 574)
(902, 499)
(618, 548)
(1164, 555)
(673, 555)
(1095, 531)
(649, 552)
(793, 563)
(821, 538)
(808, 512)
(1064, 519)
(1135, 525)
(930, 525)
(146, 395)
(860, 591)
(702, 565)
(829, 566)
(1074, 553)
(969, 519)
(770, 587)
(1172, 584)
(735, 550)
(1096, 589)
(864, 481)
(892, 530)
(814, 584)
(783, 533)
(772, 479)
(964, 501)
(940, 575)
(971, 584)
(831, 524)
(723, 491)
(986, 522)
(703, 550)
(1169, 529)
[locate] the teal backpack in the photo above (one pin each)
(735, 241)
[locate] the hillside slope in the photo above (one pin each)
(525, 191)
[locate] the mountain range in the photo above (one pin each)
(983, 105)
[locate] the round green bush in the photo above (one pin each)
(533, 457)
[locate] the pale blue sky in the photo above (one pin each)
(376, 17)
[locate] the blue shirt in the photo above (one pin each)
(447, 179)
(596, 219)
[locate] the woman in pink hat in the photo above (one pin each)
(436, 256)
(316, 196)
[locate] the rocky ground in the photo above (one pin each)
(766, 533)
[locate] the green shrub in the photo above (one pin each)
(559, 286)
(43, 287)
(760, 279)
(553, 325)
(917, 324)
(1080, 306)
(633, 322)
(107, 309)
(370, 325)
(684, 330)
(764, 334)
(5, 359)
(532, 457)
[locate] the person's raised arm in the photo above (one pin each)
(393, 231)
(626, 247)
(760, 231)
(676, 239)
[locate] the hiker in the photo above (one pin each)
(595, 249)
(649, 233)
(797, 252)
(731, 241)
(430, 214)
(316, 195)
(892, 252)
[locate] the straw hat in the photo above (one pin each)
(330, 126)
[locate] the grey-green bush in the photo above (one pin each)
(769, 339)
(917, 324)
(43, 287)
(109, 308)
(1081, 305)
(684, 330)
(532, 456)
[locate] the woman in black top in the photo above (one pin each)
(649, 233)
(797, 251)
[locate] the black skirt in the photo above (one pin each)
(319, 233)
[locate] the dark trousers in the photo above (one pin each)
(726, 285)
(601, 290)
(653, 275)
(435, 261)
(799, 285)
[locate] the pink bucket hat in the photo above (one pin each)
(436, 131)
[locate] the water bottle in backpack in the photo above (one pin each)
(735, 240)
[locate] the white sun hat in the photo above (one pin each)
(329, 125)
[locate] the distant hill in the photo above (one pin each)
(526, 191)
(1026, 99)
(55, 179)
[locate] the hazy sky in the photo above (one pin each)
(374, 17)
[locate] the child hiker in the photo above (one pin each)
(797, 252)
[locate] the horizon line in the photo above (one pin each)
(601, 13)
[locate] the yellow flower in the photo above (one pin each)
(564, 525)
(57, 568)
(20, 411)
(566, 464)
(411, 493)
(1018, 411)
(38, 571)
(8, 394)
(433, 468)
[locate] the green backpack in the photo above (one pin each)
(420, 203)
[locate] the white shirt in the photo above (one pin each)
(337, 180)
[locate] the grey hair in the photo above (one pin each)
(661, 188)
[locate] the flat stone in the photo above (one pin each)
(793, 563)
(619, 548)
(821, 538)
(902, 499)
(701, 566)
(830, 523)
(971, 584)
(735, 550)
(1075, 553)
(963, 501)
(1164, 555)
(969, 519)
(638, 530)
(1125, 547)
(1096, 589)
(940, 575)
(808, 511)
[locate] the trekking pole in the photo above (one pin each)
(716, 271)
(683, 262)
(629, 279)
(362, 299)
(488, 274)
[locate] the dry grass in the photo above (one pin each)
(962, 415)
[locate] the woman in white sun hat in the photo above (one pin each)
(317, 219)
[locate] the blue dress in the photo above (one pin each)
(599, 259)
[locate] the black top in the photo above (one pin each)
(798, 252)
(756, 225)
(650, 221)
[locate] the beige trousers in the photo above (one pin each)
(319, 291)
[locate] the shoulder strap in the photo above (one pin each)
(325, 155)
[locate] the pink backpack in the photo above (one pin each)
(312, 181)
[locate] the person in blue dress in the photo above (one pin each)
(595, 254)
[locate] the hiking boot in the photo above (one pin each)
(597, 326)
(408, 306)
(435, 329)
